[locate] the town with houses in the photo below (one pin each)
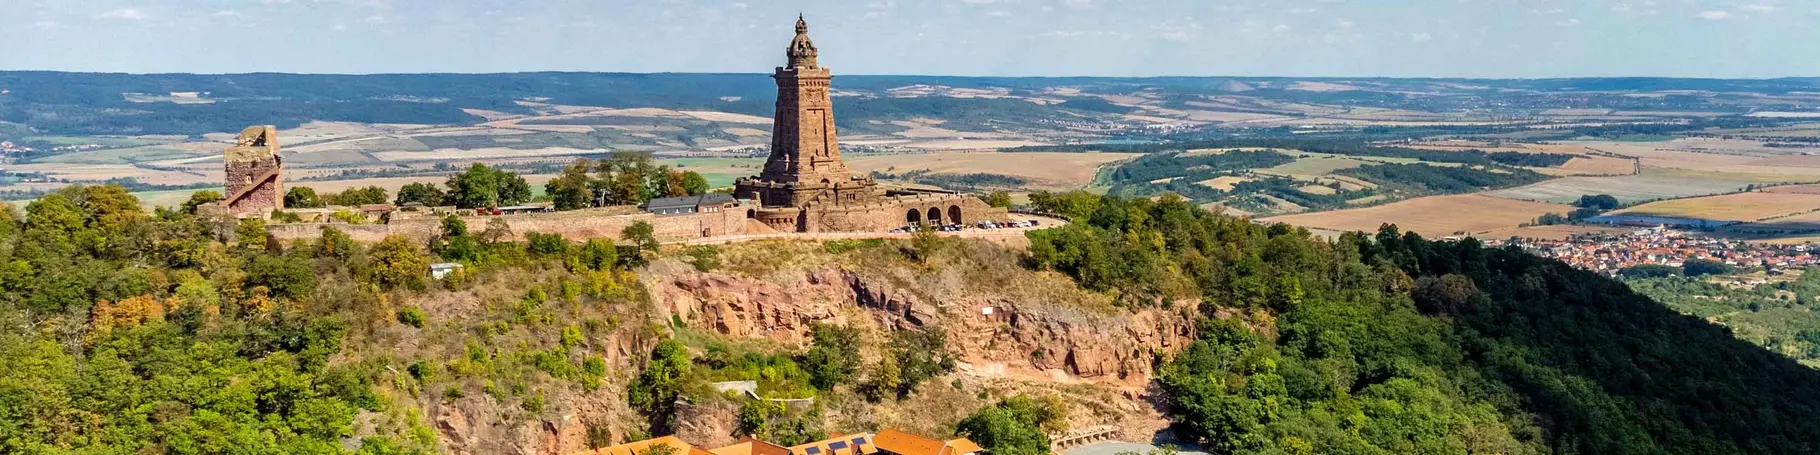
(1610, 253)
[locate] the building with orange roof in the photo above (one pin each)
(893, 442)
(886, 442)
(849, 444)
(649, 447)
(751, 446)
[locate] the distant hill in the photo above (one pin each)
(93, 103)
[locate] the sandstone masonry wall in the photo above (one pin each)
(576, 224)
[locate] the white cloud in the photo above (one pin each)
(1280, 28)
(1420, 37)
(999, 14)
(1078, 4)
(737, 6)
(47, 25)
(1568, 23)
(1758, 8)
(1180, 30)
(274, 2)
(1715, 15)
(124, 14)
(227, 13)
(980, 2)
(377, 20)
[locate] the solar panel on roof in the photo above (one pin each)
(837, 445)
(859, 441)
(813, 450)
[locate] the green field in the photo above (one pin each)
(721, 172)
(118, 156)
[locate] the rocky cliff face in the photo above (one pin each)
(993, 332)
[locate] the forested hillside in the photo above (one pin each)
(1779, 316)
(1391, 343)
(127, 331)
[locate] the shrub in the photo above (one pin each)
(411, 316)
(705, 258)
(541, 244)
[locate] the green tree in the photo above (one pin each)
(397, 263)
(422, 193)
(301, 197)
(999, 198)
(833, 355)
(693, 183)
(1703, 267)
(573, 189)
(251, 235)
(1012, 427)
(642, 237)
(481, 186)
(599, 254)
(335, 244)
(201, 197)
(353, 197)
(656, 390)
(919, 355)
(284, 277)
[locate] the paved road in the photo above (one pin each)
(1005, 234)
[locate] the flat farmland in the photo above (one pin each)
(1794, 226)
(720, 172)
(1042, 170)
(1594, 165)
(1730, 207)
(1315, 166)
(1794, 189)
(1433, 216)
(1627, 188)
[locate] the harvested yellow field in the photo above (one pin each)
(1042, 170)
(1317, 189)
(1224, 183)
(1434, 216)
(1598, 165)
(1732, 207)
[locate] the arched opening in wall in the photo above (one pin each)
(915, 217)
(751, 213)
(935, 215)
(954, 214)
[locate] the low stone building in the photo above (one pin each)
(701, 203)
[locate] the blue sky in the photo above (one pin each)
(1398, 38)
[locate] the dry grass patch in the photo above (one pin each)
(1317, 189)
(1224, 183)
(1432, 216)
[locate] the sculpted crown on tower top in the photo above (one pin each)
(802, 51)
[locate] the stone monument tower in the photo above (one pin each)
(255, 173)
(805, 165)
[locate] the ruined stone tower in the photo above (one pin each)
(255, 173)
(805, 165)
